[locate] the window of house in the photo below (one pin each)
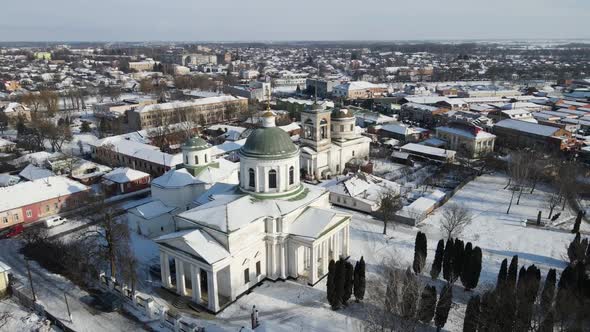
(46, 208)
(246, 276)
(338, 199)
(258, 269)
(5, 220)
(291, 175)
(272, 179)
(351, 127)
(353, 153)
(251, 178)
(55, 206)
(16, 217)
(29, 213)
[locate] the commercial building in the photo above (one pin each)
(523, 134)
(323, 87)
(31, 201)
(359, 90)
(467, 139)
(255, 90)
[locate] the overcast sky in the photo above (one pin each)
(230, 20)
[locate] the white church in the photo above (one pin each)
(329, 140)
(268, 225)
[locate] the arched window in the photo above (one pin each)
(197, 160)
(291, 175)
(251, 178)
(206, 159)
(272, 179)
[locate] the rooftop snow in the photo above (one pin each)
(26, 193)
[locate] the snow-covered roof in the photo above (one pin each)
(5, 142)
(419, 148)
(227, 147)
(197, 243)
(219, 171)
(527, 127)
(36, 158)
(26, 193)
(151, 210)
(185, 104)
(124, 175)
(363, 186)
(32, 172)
(139, 150)
(314, 221)
(229, 209)
(480, 134)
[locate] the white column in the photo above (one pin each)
(334, 251)
(257, 180)
(347, 239)
(325, 255)
(283, 261)
(313, 266)
(180, 284)
(196, 283)
(212, 291)
(165, 270)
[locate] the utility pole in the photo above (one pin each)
(30, 280)
(68, 306)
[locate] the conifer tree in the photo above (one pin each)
(465, 272)
(339, 283)
(420, 252)
(502, 275)
(512, 273)
(472, 315)
(359, 280)
(443, 306)
(548, 291)
(448, 260)
(330, 282)
(488, 312)
(410, 295)
(348, 282)
(458, 253)
(547, 323)
(427, 304)
(438, 259)
(474, 269)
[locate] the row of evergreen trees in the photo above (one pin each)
(579, 250)
(517, 304)
(344, 280)
(456, 260)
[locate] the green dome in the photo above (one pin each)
(195, 144)
(269, 143)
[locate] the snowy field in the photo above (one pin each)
(289, 306)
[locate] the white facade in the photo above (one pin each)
(270, 226)
(329, 141)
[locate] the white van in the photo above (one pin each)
(51, 222)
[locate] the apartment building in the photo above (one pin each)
(204, 111)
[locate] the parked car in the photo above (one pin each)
(11, 231)
(55, 221)
(105, 301)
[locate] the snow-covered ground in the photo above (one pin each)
(20, 319)
(289, 306)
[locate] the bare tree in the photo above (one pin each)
(455, 218)
(110, 238)
(389, 204)
(553, 199)
(392, 299)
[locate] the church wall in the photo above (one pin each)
(251, 251)
(151, 228)
(178, 197)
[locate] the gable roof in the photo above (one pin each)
(195, 243)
